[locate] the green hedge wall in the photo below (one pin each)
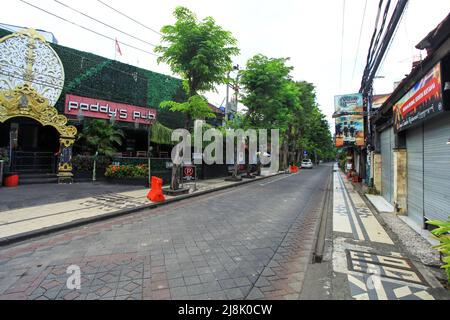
(90, 75)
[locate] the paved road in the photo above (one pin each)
(250, 242)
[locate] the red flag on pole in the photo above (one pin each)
(118, 47)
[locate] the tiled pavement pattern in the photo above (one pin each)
(248, 242)
(365, 254)
(24, 220)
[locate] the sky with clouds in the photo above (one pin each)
(308, 32)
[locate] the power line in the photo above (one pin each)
(359, 39)
(342, 43)
(394, 34)
(103, 23)
(134, 20)
(372, 66)
(85, 28)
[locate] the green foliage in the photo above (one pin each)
(267, 90)
(442, 234)
(161, 134)
(127, 171)
(275, 101)
(199, 51)
(101, 136)
(196, 107)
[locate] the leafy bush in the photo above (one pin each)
(82, 163)
(127, 171)
(442, 233)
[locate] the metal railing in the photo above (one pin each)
(30, 161)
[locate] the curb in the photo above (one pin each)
(76, 223)
(321, 233)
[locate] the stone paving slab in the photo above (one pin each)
(373, 265)
(24, 222)
(225, 245)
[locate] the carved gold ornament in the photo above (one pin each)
(24, 101)
(31, 81)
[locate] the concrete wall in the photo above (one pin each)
(376, 173)
(400, 181)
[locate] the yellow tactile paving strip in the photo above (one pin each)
(351, 214)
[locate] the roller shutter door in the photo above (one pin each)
(437, 167)
(414, 146)
(387, 171)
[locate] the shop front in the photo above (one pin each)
(423, 119)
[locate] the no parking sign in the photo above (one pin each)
(189, 173)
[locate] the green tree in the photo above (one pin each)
(200, 52)
(270, 96)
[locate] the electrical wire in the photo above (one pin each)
(359, 39)
(368, 59)
(72, 52)
(134, 20)
(394, 34)
(87, 29)
(103, 23)
(377, 48)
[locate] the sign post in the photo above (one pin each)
(189, 174)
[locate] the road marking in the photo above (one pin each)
(370, 224)
(351, 214)
(358, 234)
(341, 221)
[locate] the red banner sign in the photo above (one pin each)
(430, 89)
(102, 109)
(422, 101)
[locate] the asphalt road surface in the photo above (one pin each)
(249, 242)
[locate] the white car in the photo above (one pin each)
(307, 164)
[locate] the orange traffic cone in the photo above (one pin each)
(155, 194)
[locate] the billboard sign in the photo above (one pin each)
(423, 100)
(101, 109)
(349, 120)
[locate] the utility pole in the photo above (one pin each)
(227, 99)
(227, 103)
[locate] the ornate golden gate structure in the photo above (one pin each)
(31, 82)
